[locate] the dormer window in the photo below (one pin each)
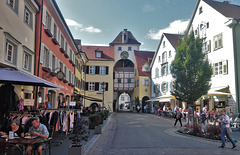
(145, 68)
(200, 10)
(98, 54)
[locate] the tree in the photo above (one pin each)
(191, 70)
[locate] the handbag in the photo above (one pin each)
(229, 130)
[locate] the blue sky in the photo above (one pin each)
(98, 22)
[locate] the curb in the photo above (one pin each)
(91, 142)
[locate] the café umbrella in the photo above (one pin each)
(11, 76)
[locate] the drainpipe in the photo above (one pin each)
(236, 64)
(40, 41)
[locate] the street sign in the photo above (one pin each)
(99, 93)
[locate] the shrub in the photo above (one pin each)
(213, 132)
(196, 130)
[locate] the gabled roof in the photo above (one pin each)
(108, 52)
(130, 38)
(225, 8)
(172, 38)
(143, 57)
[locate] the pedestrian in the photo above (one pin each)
(178, 117)
(225, 125)
(204, 114)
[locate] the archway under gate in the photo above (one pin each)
(144, 103)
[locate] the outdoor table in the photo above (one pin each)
(21, 141)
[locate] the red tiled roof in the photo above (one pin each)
(130, 40)
(108, 52)
(225, 8)
(143, 57)
(173, 39)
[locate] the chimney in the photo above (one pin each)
(226, 2)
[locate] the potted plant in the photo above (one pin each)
(80, 134)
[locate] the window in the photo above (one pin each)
(91, 69)
(218, 41)
(9, 50)
(164, 57)
(164, 87)
(13, 4)
(145, 68)
(45, 57)
(164, 44)
(98, 54)
(66, 47)
(122, 98)
(156, 72)
(164, 70)
(48, 21)
(70, 54)
(145, 82)
(170, 54)
(206, 46)
(159, 58)
(27, 61)
(207, 24)
(103, 70)
(119, 48)
(156, 89)
(129, 80)
(220, 68)
(70, 76)
(91, 86)
(28, 16)
(61, 65)
(200, 10)
(119, 80)
(129, 48)
(135, 71)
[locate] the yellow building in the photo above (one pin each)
(142, 78)
(98, 71)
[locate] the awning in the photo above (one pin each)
(88, 97)
(10, 76)
(152, 100)
(215, 93)
(166, 97)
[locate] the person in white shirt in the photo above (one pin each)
(225, 124)
(204, 114)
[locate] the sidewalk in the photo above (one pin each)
(235, 134)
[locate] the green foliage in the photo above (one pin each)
(191, 70)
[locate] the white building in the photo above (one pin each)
(218, 24)
(160, 70)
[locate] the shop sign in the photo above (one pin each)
(28, 102)
(73, 103)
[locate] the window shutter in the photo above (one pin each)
(42, 53)
(166, 69)
(106, 89)
(107, 70)
(161, 71)
(96, 86)
(161, 87)
(167, 87)
(87, 70)
(86, 85)
(56, 64)
(97, 69)
(52, 27)
(213, 69)
(209, 46)
(170, 87)
(50, 60)
(169, 68)
(225, 67)
(67, 75)
(44, 16)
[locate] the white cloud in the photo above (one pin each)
(79, 27)
(148, 8)
(177, 27)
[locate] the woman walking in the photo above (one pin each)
(178, 117)
(225, 125)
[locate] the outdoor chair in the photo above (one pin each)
(4, 147)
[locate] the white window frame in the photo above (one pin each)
(218, 41)
(48, 21)
(159, 58)
(119, 48)
(91, 86)
(30, 54)
(102, 70)
(92, 70)
(98, 54)
(14, 43)
(26, 61)
(27, 9)
(129, 48)
(170, 54)
(164, 57)
(9, 53)
(14, 5)
(164, 87)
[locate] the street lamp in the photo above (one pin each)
(103, 84)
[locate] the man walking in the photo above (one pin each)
(204, 114)
(225, 124)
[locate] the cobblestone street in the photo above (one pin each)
(134, 134)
